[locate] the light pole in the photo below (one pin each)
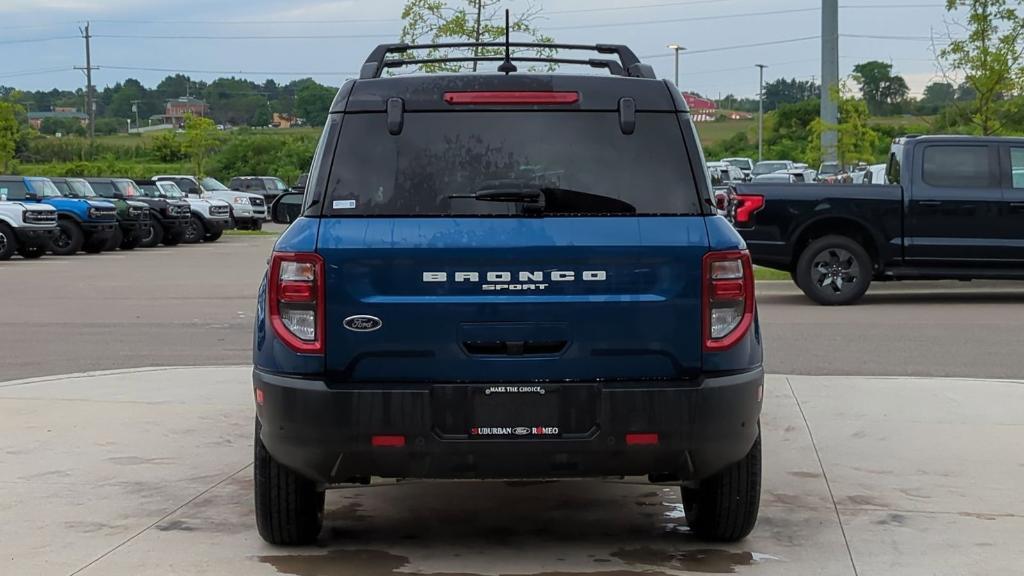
(677, 48)
(760, 113)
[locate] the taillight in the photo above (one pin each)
(511, 97)
(295, 289)
(728, 298)
(746, 205)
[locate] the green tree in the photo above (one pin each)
(937, 95)
(313, 103)
(167, 147)
(10, 133)
(783, 91)
(990, 58)
(433, 21)
(201, 141)
(857, 140)
(883, 92)
(65, 126)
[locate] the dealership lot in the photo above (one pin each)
(148, 471)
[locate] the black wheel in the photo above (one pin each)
(31, 252)
(69, 238)
(153, 236)
(131, 241)
(214, 236)
(173, 238)
(8, 243)
(115, 240)
(194, 231)
(724, 507)
(257, 225)
(289, 507)
(834, 271)
(95, 245)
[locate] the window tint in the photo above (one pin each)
(103, 188)
(1017, 167)
(580, 162)
(13, 189)
(957, 166)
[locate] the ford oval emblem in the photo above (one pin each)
(521, 431)
(362, 323)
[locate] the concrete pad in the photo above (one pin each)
(147, 472)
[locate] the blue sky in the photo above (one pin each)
(39, 44)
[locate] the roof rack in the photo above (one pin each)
(628, 64)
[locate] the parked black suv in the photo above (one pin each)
(514, 275)
(168, 218)
(267, 186)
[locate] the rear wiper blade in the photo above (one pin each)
(504, 194)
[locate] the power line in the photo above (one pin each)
(734, 47)
(36, 72)
(688, 19)
(221, 37)
(884, 37)
(33, 40)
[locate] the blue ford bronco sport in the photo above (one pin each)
(507, 275)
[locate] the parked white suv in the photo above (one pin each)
(247, 210)
(25, 229)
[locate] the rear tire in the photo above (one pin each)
(154, 236)
(8, 243)
(115, 240)
(194, 231)
(724, 507)
(289, 507)
(834, 271)
(69, 238)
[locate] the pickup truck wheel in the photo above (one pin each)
(834, 271)
(154, 236)
(115, 240)
(8, 243)
(69, 238)
(31, 252)
(289, 507)
(724, 507)
(194, 231)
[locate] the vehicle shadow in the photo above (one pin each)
(469, 528)
(928, 297)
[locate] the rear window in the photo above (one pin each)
(580, 163)
(957, 166)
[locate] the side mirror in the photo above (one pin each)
(287, 207)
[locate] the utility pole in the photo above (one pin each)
(677, 48)
(90, 104)
(829, 78)
(760, 113)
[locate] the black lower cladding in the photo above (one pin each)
(33, 237)
(324, 431)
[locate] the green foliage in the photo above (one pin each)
(264, 155)
(783, 91)
(201, 141)
(65, 126)
(101, 168)
(857, 140)
(883, 92)
(989, 58)
(434, 21)
(936, 97)
(73, 149)
(313, 103)
(167, 147)
(106, 126)
(10, 132)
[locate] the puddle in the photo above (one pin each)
(338, 562)
(701, 561)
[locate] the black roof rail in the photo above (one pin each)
(628, 64)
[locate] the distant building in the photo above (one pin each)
(176, 110)
(284, 121)
(701, 109)
(35, 119)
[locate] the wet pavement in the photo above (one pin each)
(148, 472)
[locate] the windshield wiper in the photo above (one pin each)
(549, 199)
(504, 192)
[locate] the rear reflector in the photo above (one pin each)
(259, 397)
(511, 97)
(641, 439)
(388, 441)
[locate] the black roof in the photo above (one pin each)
(951, 138)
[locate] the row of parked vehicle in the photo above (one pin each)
(66, 215)
(729, 171)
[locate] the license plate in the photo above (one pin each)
(516, 411)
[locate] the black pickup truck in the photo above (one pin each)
(955, 210)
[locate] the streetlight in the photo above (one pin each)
(677, 49)
(760, 114)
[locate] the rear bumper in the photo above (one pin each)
(324, 432)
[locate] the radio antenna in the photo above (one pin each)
(507, 66)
